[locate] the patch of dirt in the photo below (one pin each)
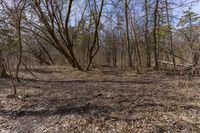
(100, 101)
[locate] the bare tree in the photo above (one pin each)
(15, 13)
(97, 19)
(56, 27)
(127, 34)
(155, 13)
(170, 32)
(19, 8)
(135, 37)
(148, 51)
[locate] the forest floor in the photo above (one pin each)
(105, 100)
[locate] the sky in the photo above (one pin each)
(195, 4)
(178, 9)
(196, 8)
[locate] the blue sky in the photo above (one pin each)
(196, 8)
(188, 3)
(178, 10)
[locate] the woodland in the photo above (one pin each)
(99, 66)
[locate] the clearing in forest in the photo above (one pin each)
(103, 100)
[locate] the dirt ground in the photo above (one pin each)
(64, 100)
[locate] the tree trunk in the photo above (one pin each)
(148, 51)
(155, 34)
(137, 50)
(127, 36)
(91, 50)
(2, 66)
(66, 49)
(170, 33)
(20, 53)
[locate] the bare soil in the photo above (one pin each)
(106, 100)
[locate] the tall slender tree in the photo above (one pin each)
(155, 13)
(148, 50)
(129, 48)
(170, 32)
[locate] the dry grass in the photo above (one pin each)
(103, 100)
